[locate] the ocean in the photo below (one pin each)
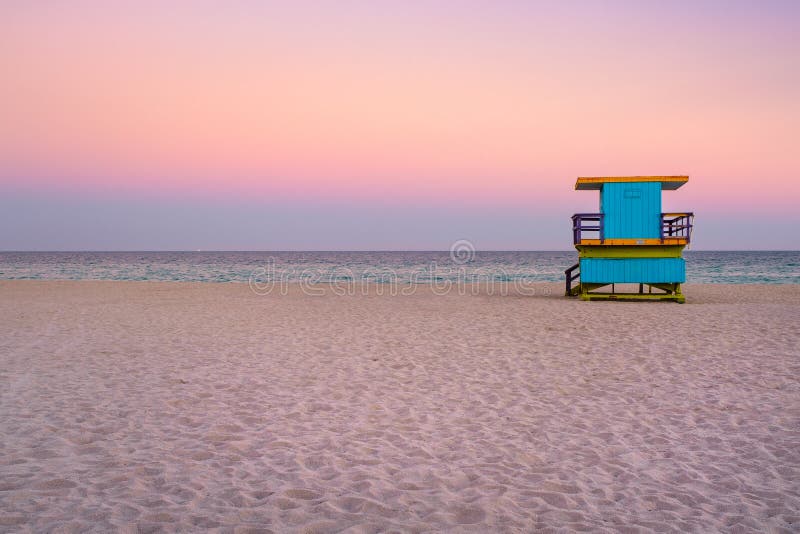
(747, 267)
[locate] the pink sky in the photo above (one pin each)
(498, 103)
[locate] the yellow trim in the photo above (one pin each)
(604, 179)
(630, 251)
(589, 181)
(628, 241)
(649, 241)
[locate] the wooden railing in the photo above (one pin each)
(673, 226)
(677, 225)
(571, 277)
(579, 226)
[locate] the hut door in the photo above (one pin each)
(632, 210)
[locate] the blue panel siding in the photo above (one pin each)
(632, 210)
(633, 270)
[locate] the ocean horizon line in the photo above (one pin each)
(459, 263)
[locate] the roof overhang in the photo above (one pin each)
(585, 183)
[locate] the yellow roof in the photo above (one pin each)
(596, 182)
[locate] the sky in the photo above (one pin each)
(348, 125)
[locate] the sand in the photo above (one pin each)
(182, 407)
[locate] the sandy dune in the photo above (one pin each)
(147, 406)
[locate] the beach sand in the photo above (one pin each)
(178, 406)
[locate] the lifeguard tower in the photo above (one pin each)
(631, 241)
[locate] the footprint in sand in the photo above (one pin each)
(554, 499)
(261, 495)
(285, 504)
(55, 484)
(468, 516)
(322, 527)
(228, 429)
(303, 494)
(160, 517)
(313, 463)
(12, 520)
(44, 454)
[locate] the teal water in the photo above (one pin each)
(779, 267)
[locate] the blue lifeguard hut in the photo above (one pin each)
(630, 241)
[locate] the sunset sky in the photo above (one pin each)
(389, 125)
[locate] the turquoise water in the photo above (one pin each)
(782, 267)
